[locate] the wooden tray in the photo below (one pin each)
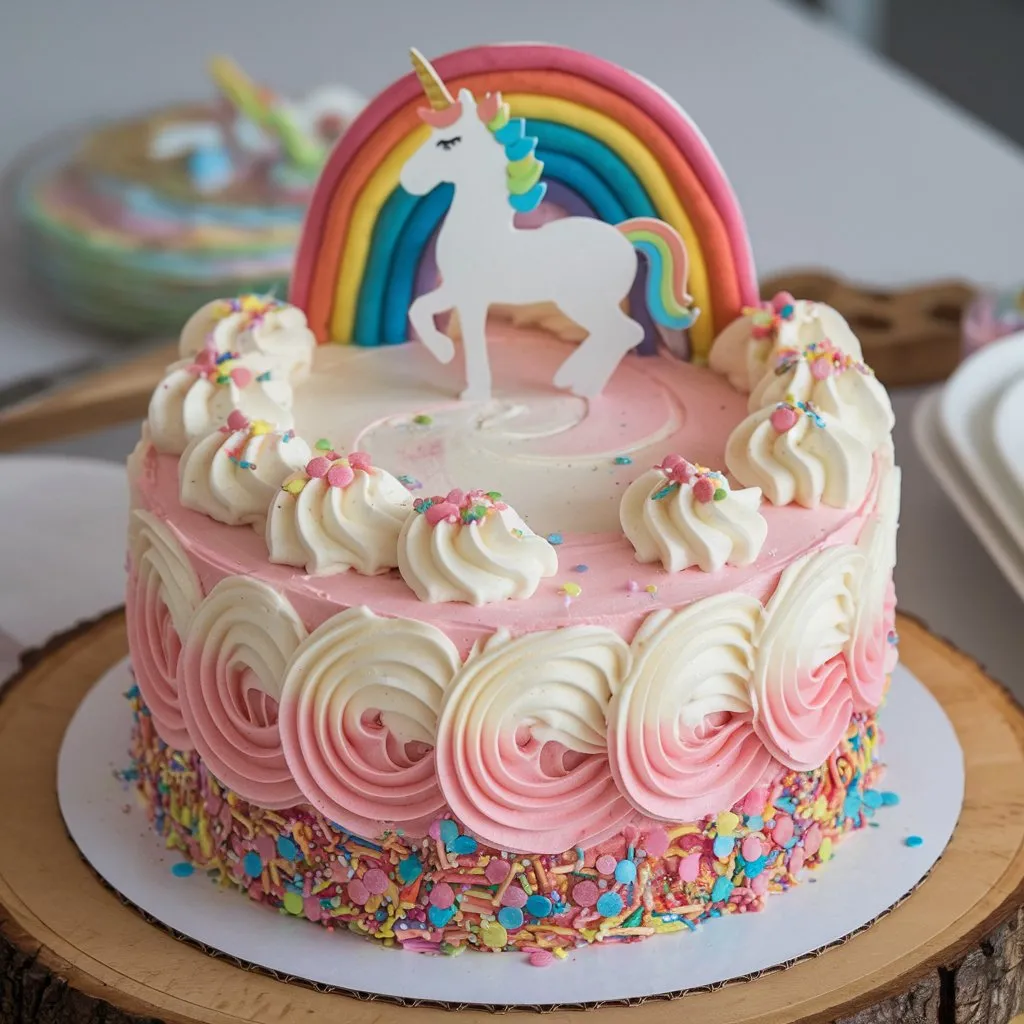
(71, 951)
(910, 336)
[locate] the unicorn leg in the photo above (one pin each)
(421, 316)
(590, 367)
(474, 345)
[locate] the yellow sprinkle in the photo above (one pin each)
(825, 851)
(295, 485)
(572, 589)
(560, 953)
(727, 822)
(494, 935)
(651, 588)
(682, 830)
(820, 808)
(260, 427)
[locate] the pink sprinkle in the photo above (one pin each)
(339, 872)
(821, 369)
(238, 420)
(317, 467)
(812, 840)
(311, 907)
(704, 490)
(357, 892)
(656, 843)
(265, 848)
(360, 461)
(585, 894)
(760, 884)
(435, 830)
(606, 864)
(751, 848)
(754, 801)
(513, 896)
(542, 958)
(632, 586)
(442, 511)
(207, 358)
(497, 871)
(670, 462)
(783, 831)
(241, 376)
(455, 496)
(796, 861)
(780, 300)
(340, 475)
(376, 881)
(689, 868)
(784, 418)
(441, 896)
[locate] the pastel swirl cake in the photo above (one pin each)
(518, 673)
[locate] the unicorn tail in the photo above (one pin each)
(669, 302)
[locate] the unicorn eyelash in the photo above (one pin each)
(447, 144)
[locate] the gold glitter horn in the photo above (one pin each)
(437, 92)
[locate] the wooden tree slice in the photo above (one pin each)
(71, 952)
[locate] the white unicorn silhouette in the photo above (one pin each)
(585, 266)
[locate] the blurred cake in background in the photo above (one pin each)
(993, 315)
(133, 225)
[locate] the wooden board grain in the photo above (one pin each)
(71, 951)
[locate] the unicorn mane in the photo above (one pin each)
(522, 177)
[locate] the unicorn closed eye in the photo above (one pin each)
(585, 266)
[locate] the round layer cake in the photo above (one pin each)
(517, 674)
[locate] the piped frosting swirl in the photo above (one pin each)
(233, 474)
(470, 546)
(685, 515)
(339, 513)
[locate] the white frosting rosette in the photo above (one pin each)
(340, 513)
(522, 752)
(196, 397)
(680, 730)
(872, 652)
(359, 719)
(472, 547)
(801, 680)
(233, 474)
(163, 594)
(684, 515)
(252, 324)
(239, 643)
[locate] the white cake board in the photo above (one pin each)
(870, 873)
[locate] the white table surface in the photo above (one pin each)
(838, 158)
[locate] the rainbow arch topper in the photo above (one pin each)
(613, 146)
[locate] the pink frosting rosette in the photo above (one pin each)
(163, 593)
(359, 717)
(801, 687)
(238, 647)
(522, 752)
(680, 731)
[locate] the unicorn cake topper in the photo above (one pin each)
(583, 265)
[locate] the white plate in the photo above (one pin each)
(968, 403)
(871, 871)
(1008, 431)
(942, 461)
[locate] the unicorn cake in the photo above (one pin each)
(525, 580)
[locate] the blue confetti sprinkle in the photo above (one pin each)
(510, 918)
(287, 848)
(689, 924)
(755, 822)
(723, 846)
(609, 904)
(851, 805)
(755, 867)
(580, 568)
(623, 460)
(252, 865)
(872, 798)
(182, 870)
(539, 906)
(913, 841)
(555, 538)
(625, 872)
(722, 889)
(438, 917)
(463, 844)
(409, 869)
(449, 831)
(890, 799)
(785, 803)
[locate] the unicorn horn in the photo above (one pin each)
(437, 92)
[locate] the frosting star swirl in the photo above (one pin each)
(252, 324)
(239, 644)
(522, 754)
(872, 653)
(680, 730)
(359, 716)
(163, 594)
(341, 513)
(233, 474)
(801, 685)
(795, 452)
(683, 515)
(470, 546)
(194, 398)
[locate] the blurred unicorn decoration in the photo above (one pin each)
(585, 266)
